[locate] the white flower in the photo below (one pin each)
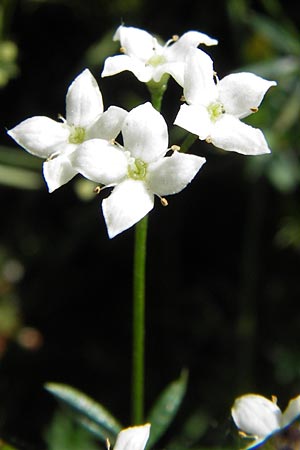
(133, 438)
(259, 417)
(215, 107)
(138, 170)
(55, 141)
(149, 60)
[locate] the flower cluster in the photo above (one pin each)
(84, 142)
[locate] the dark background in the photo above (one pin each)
(223, 257)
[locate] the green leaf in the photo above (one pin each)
(166, 406)
(90, 414)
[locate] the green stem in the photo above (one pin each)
(138, 363)
(188, 141)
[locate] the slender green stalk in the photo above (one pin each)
(138, 362)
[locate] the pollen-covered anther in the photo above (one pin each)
(163, 201)
(208, 140)
(122, 49)
(254, 109)
(175, 37)
(97, 190)
(243, 434)
(182, 98)
(274, 399)
(175, 148)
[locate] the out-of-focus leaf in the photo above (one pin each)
(275, 68)
(13, 156)
(63, 434)
(20, 178)
(283, 39)
(98, 52)
(290, 111)
(92, 415)
(165, 408)
(283, 171)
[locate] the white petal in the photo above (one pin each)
(199, 85)
(171, 174)
(109, 124)
(194, 119)
(136, 42)
(133, 438)
(175, 69)
(58, 171)
(256, 415)
(178, 50)
(241, 93)
(119, 63)
(129, 202)
(84, 100)
(292, 411)
(145, 133)
(229, 133)
(41, 136)
(100, 161)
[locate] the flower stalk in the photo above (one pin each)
(138, 361)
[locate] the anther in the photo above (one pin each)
(123, 49)
(208, 140)
(274, 399)
(175, 37)
(254, 109)
(182, 98)
(175, 148)
(97, 190)
(164, 201)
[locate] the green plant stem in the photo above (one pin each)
(138, 361)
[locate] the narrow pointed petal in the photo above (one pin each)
(119, 63)
(242, 93)
(256, 415)
(100, 161)
(109, 124)
(230, 134)
(145, 133)
(136, 42)
(178, 50)
(175, 69)
(133, 438)
(194, 119)
(199, 85)
(292, 411)
(58, 171)
(84, 100)
(129, 202)
(172, 174)
(41, 136)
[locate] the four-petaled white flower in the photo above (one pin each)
(214, 108)
(149, 60)
(259, 417)
(133, 438)
(55, 141)
(138, 170)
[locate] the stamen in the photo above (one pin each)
(97, 190)
(107, 441)
(175, 148)
(208, 139)
(175, 37)
(163, 201)
(254, 109)
(122, 49)
(60, 117)
(53, 156)
(182, 98)
(274, 399)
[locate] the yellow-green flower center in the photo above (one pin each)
(156, 60)
(137, 169)
(77, 135)
(215, 110)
